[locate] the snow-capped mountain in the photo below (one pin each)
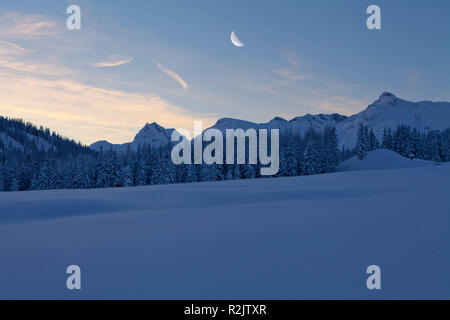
(151, 134)
(387, 111)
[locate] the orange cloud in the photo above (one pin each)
(15, 24)
(342, 105)
(113, 61)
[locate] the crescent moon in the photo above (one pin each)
(235, 40)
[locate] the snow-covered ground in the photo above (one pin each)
(284, 238)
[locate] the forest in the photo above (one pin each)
(33, 158)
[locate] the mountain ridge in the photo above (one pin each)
(388, 111)
(152, 133)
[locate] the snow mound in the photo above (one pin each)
(382, 159)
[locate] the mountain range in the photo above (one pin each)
(388, 111)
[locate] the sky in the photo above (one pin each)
(172, 62)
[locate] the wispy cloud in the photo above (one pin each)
(291, 56)
(317, 96)
(292, 71)
(290, 74)
(173, 75)
(342, 105)
(15, 24)
(112, 61)
(9, 48)
(15, 57)
(35, 67)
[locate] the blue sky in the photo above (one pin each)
(172, 62)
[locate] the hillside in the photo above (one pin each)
(17, 136)
(286, 238)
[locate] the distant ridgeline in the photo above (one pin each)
(32, 158)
